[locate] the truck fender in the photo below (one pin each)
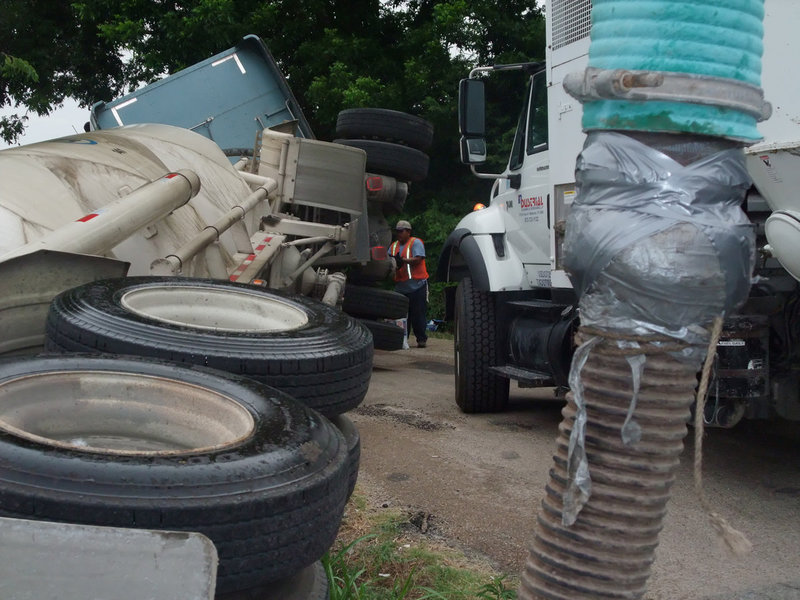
(461, 257)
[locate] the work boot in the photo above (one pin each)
(422, 344)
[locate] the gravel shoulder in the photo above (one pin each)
(478, 479)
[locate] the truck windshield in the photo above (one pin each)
(534, 115)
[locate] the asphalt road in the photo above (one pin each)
(476, 481)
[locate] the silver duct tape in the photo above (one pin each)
(653, 246)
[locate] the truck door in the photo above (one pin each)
(525, 193)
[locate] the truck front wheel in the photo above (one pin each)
(475, 344)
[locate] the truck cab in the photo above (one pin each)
(514, 307)
(507, 256)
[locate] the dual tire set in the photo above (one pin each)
(395, 144)
(228, 427)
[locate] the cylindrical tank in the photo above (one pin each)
(50, 184)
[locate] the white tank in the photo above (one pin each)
(49, 184)
(774, 164)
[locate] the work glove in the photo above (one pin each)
(398, 260)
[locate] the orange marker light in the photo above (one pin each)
(478, 206)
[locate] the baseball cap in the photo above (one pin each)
(403, 225)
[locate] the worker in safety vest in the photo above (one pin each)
(411, 278)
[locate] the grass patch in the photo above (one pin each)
(380, 555)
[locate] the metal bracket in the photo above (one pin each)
(622, 84)
(256, 162)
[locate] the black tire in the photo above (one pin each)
(353, 439)
(374, 303)
(309, 584)
(326, 363)
(397, 204)
(478, 390)
(386, 158)
(374, 270)
(384, 124)
(270, 499)
(385, 336)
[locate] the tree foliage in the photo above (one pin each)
(49, 51)
(406, 55)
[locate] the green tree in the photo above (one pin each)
(49, 51)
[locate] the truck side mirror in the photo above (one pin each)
(473, 151)
(471, 108)
(472, 121)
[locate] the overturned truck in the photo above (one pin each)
(201, 241)
(264, 203)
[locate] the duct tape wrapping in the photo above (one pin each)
(653, 246)
(655, 249)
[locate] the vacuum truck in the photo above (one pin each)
(514, 306)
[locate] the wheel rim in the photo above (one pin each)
(214, 309)
(121, 413)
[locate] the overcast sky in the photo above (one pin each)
(58, 124)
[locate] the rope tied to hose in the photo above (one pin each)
(735, 540)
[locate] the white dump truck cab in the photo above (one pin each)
(506, 256)
(514, 307)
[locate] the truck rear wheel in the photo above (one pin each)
(385, 336)
(385, 124)
(374, 303)
(127, 442)
(311, 351)
(386, 158)
(478, 390)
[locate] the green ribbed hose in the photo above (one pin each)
(719, 38)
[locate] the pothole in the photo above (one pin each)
(510, 425)
(406, 416)
(422, 520)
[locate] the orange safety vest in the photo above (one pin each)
(407, 271)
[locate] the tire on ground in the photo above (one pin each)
(353, 438)
(478, 390)
(384, 124)
(386, 158)
(374, 270)
(385, 336)
(309, 584)
(374, 303)
(155, 445)
(317, 354)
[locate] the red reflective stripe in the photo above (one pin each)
(88, 217)
(250, 258)
(240, 269)
(171, 175)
